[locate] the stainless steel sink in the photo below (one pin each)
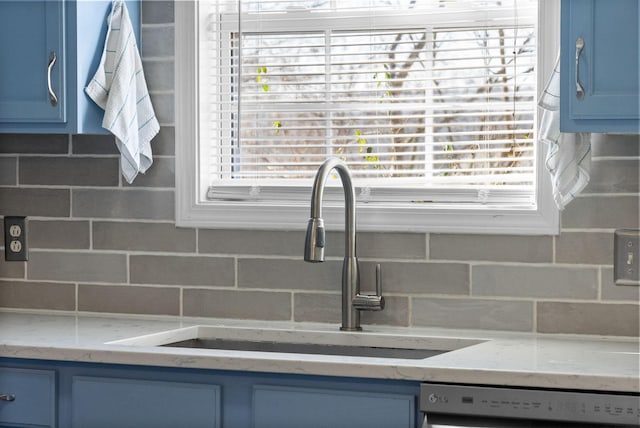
(301, 341)
(305, 348)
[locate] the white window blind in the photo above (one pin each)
(426, 101)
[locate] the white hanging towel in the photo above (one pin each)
(119, 88)
(569, 155)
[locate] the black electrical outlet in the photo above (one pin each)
(15, 239)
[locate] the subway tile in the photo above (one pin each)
(504, 248)
(164, 143)
(614, 176)
(77, 266)
(124, 203)
(607, 319)
(163, 106)
(260, 305)
(611, 291)
(159, 74)
(157, 41)
(59, 234)
(612, 212)
(289, 274)
(10, 269)
(615, 145)
(84, 144)
(37, 295)
(312, 307)
(584, 247)
(180, 270)
(8, 169)
(162, 173)
(428, 277)
(535, 281)
(157, 12)
(137, 236)
(381, 245)
(327, 308)
(129, 299)
(67, 171)
(251, 242)
(472, 313)
(34, 143)
(42, 202)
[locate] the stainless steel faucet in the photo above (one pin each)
(352, 301)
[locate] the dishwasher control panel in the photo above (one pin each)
(537, 404)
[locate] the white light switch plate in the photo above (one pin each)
(626, 257)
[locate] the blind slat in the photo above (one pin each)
(444, 100)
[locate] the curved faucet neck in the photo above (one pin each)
(349, 199)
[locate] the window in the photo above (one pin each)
(432, 104)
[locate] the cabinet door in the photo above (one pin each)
(33, 400)
(31, 34)
(99, 402)
(606, 66)
(290, 407)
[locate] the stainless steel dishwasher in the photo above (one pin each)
(462, 406)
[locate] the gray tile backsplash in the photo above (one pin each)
(38, 295)
(588, 318)
(100, 245)
(34, 143)
(289, 274)
(528, 249)
(89, 266)
(472, 313)
(129, 299)
(140, 204)
(69, 171)
(602, 212)
(34, 201)
(8, 171)
(264, 305)
(535, 281)
(132, 236)
(182, 270)
(584, 247)
(61, 234)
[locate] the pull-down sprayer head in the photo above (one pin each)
(314, 241)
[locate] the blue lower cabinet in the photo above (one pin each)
(286, 407)
(128, 403)
(29, 398)
(60, 394)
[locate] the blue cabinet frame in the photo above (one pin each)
(607, 66)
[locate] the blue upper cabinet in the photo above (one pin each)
(49, 50)
(32, 44)
(600, 74)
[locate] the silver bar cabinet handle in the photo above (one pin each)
(7, 397)
(579, 88)
(52, 95)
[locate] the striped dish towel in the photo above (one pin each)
(119, 88)
(568, 157)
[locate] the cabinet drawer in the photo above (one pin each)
(34, 391)
(284, 407)
(130, 403)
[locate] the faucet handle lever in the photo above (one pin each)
(371, 302)
(378, 280)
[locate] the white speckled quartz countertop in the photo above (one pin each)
(479, 357)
